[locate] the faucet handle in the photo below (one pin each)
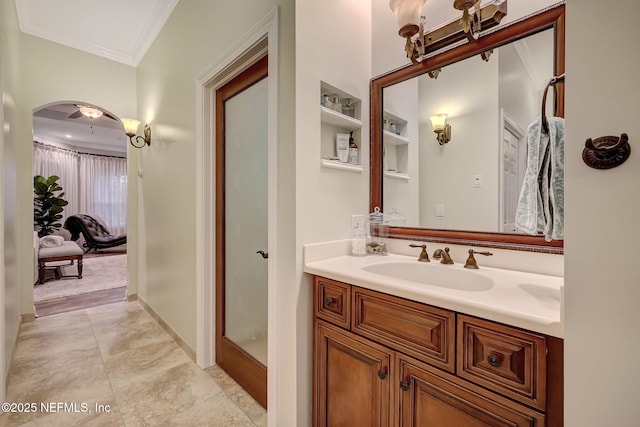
(471, 261)
(424, 256)
(443, 255)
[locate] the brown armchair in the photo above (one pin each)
(96, 236)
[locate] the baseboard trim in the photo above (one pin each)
(28, 317)
(181, 343)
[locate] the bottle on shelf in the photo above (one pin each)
(348, 108)
(337, 106)
(352, 159)
(326, 101)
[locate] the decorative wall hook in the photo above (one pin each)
(606, 152)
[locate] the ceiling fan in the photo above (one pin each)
(90, 112)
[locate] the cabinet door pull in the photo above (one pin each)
(329, 301)
(382, 374)
(404, 385)
(494, 360)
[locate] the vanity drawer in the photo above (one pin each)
(503, 359)
(419, 330)
(331, 301)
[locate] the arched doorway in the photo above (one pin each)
(85, 146)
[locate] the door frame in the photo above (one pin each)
(243, 367)
(262, 39)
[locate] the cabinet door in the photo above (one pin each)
(430, 397)
(351, 380)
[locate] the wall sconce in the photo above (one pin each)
(441, 128)
(409, 18)
(131, 127)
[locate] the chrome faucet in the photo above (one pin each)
(424, 256)
(471, 261)
(443, 256)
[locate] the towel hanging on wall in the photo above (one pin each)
(541, 203)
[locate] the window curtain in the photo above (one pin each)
(48, 161)
(92, 184)
(103, 190)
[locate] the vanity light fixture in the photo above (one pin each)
(410, 22)
(131, 127)
(92, 113)
(441, 128)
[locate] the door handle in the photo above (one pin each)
(264, 254)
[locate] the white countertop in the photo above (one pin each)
(526, 300)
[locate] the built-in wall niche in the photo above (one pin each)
(340, 113)
(396, 146)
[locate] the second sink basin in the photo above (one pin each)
(435, 275)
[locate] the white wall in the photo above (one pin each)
(9, 240)
(333, 44)
(602, 207)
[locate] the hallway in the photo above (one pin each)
(114, 365)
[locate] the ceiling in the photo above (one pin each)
(53, 124)
(119, 30)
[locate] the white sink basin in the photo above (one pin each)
(444, 276)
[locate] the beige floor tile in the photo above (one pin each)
(118, 355)
(147, 361)
(239, 396)
(69, 367)
(160, 396)
(92, 389)
(139, 334)
(219, 411)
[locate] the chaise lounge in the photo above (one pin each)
(96, 236)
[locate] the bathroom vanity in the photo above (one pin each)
(396, 352)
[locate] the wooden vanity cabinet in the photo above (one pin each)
(430, 397)
(396, 362)
(353, 379)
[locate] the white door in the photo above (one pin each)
(513, 165)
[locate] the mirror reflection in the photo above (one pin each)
(473, 181)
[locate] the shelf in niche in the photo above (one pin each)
(394, 139)
(332, 117)
(336, 164)
(397, 175)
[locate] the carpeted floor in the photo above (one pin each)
(99, 273)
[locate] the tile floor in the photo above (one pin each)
(118, 355)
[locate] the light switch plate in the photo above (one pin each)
(439, 209)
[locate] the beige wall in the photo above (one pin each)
(9, 217)
(602, 207)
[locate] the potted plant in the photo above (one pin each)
(48, 204)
